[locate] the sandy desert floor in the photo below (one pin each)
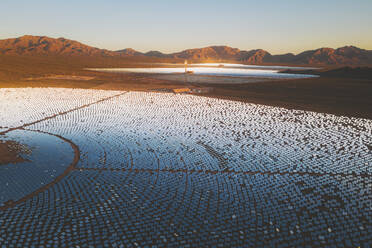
(205, 80)
(340, 95)
(11, 152)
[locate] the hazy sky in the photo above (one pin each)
(172, 25)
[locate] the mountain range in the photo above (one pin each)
(42, 45)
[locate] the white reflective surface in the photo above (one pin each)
(212, 71)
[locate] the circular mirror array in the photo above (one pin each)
(159, 169)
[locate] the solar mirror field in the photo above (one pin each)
(103, 168)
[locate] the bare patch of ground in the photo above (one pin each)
(63, 77)
(203, 79)
(10, 152)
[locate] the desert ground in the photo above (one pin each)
(334, 94)
(11, 152)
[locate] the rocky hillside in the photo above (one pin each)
(32, 45)
(209, 53)
(348, 55)
(129, 52)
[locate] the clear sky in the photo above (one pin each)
(278, 26)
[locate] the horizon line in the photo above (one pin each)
(144, 52)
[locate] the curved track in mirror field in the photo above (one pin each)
(156, 169)
(12, 203)
(70, 168)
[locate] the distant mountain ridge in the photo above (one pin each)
(31, 45)
(42, 45)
